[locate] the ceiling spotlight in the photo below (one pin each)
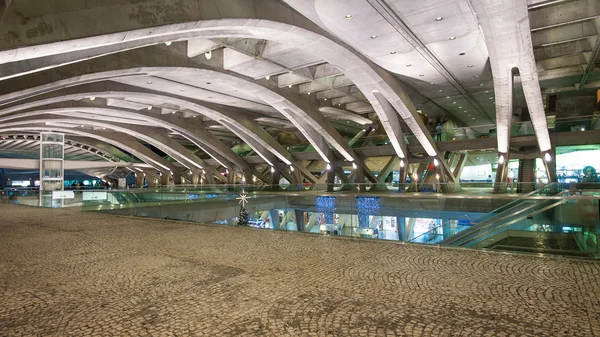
(421, 75)
(481, 85)
(392, 52)
(582, 129)
(354, 165)
(436, 162)
(325, 99)
(373, 36)
(470, 66)
(289, 86)
(440, 90)
(460, 107)
(439, 18)
(453, 102)
(548, 157)
(437, 176)
(448, 97)
(452, 38)
(149, 82)
(272, 169)
(92, 98)
(149, 108)
(267, 77)
(476, 75)
(409, 65)
(168, 43)
(309, 92)
(328, 166)
(348, 17)
(501, 160)
(173, 112)
(291, 168)
(401, 163)
(208, 54)
(491, 98)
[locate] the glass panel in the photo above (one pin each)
(52, 151)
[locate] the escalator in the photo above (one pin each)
(514, 216)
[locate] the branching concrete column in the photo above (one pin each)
(300, 224)
(275, 177)
(139, 179)
(176, 179)
(460, 164)
(385, 172)
(196, 179)
(330, 172)
(164, 179)
(549, 158)
(403, 173)
(501, 173)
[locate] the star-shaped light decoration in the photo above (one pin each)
(243, 199)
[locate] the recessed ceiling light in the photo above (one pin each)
(373, 36)
(149, 82)
(168, 43)
(460, 107)
(431, 83)
(461, 54)
(289, 86)
(392, 52)
(182, 90)
(491, 97)
(453, 102)
(92, 98)
(409, 65)
(476, 75)
(348, 16)
(440, 90)
(149, 108)
(487, 91)
(325, 99)
(481, 85)
(448, 97)
(421, 75)
(473, 118)
(470, 66)
(439, 18)
(308, 93)
(452, 38)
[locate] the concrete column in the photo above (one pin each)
(164, 179)
(360, 178)
(139, 179)
(275, 177)
(248, 178)
(230, 177)
(460, 164)
(403, 172)
(550, 164)
(300, 224)
(152, 181)
(176, 179)
(331, 176)
(501, 173)
(385, 172)
(196, 179)
(441, 187)
(401, 223)
(274, 216)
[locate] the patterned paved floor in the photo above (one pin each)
(65, 273)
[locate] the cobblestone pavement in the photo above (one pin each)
(67, 273)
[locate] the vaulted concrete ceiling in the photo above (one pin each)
(232, 71)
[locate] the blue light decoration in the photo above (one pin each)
(367, 206)
(326, 205)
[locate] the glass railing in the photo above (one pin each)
(423, 218)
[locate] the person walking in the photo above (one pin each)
(438, 132)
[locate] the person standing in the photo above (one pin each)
(438, 132)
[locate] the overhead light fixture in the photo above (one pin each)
(470, 66)
(149, 82)
(583, 129)
(452, 38)
(448, 97)
(453, 102)
(272, 169)
(481, 85)
(309, 92)
(436, 162)
(460, 107)
(168, 43)
(267, 77)
(325, 99)
(401, 163)
(440, 90)
(348, 17)
(328, 166)
(548, 157)
(409, 65)
(421, 75)
(392, 52)
(203, 172)
(92, 98)
(439, 18)
(291, 168)
(208, 54)
(501, 160)
(491, 98)
(364, 130)
(354, 165)
(149, 108)
(373, 36)
(437, 176)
